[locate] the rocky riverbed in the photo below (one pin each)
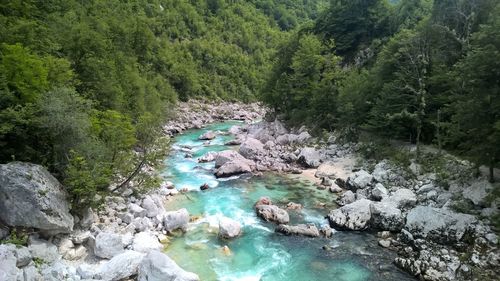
(411, 211)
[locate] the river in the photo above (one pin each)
(260, 253)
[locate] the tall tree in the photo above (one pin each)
(477, 117)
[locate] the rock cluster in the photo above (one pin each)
(198, 113)
(417, 221)
(122, 239)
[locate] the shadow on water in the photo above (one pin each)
(260, 253)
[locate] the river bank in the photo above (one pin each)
(416, 213)
(408, 208)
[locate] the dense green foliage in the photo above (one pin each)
(416, 70)
(86, 85)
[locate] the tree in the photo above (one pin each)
(403, 68)
(477, 106)
(64, 118)
(353, 24)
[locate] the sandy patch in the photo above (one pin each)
(340, 167)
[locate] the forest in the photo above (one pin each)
(416, 71)
(86, 85)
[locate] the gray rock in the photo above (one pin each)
(415, 168)
(145, 242)
(354, 216)
(279, 128)
(309, 230)
(31, 197)
(441, 225)
(120, 266)
(175, 220)
(492, 238)
(142, 224)
(209, 135)
(59, 271)
(272, 213)
(403, 198)
(228, 156)
(386, 216)
(108, 245)
(284, 139)
(251, 148)
(88, 218)
(229, 228)
(326, 182)
(235, 130)
(384, 243)
(126, 217)
(157, 266)
(347, 197)
(30, 273)
(86, 271)
(23, 256)
(77, 253)
(260, 131)
(303, 138)
(431, 195)
(43, 250)
(335, 188)
(208, 157)
(381, 173)
(153, 205)
(359, 180)
(426, 188)
(233, 168)
(379, 192)
(309, 157)
(478, 192)
(8, 269)
(326, 231)
(136, 210)
(80, 236)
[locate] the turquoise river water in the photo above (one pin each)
(260, 253)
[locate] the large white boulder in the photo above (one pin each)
(31, 197)
(208, 135)
(120, 266)
(272, 213)
(233, 168)
(440, 225)
(403, 198)
(43, 250)
(309, 157)
(153, 205)
(230, 162)
(58, 271)
(309, 230)
(386, 216)
(159, 267)
(359, 180)
(108, 245)
(354, 216)
(145, 242)
(478, 192)
(229, 228)
(251, 148)
(176, 220)
(8, 269)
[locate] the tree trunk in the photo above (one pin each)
(134, 173)
(492, 173)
